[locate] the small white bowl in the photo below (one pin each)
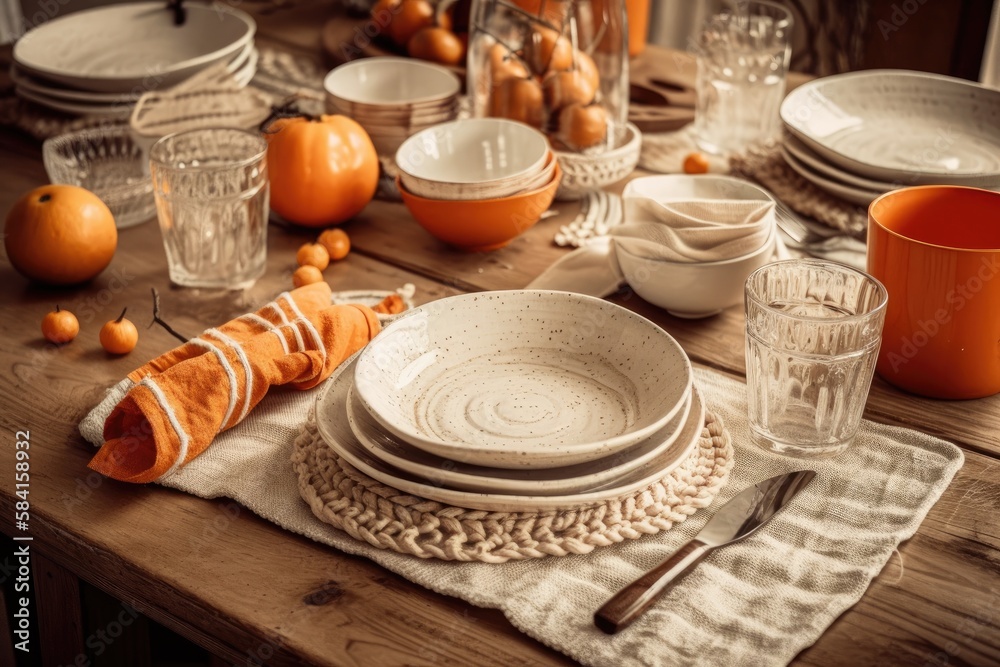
(390, 81)
(585, 172)
(475, 158)
(693, 290)
(522, 379)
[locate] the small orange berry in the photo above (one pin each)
(696, 163)
(336, 242)
(306, 274)
(60, 326)
(313, 254)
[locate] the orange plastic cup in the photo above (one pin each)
(936, 248)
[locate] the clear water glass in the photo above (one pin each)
(743, 59)
(813, 330)
(211, 191)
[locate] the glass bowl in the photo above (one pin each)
(108, 162)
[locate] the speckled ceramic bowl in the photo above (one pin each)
(522, 379)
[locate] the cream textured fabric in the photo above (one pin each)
(758, 602)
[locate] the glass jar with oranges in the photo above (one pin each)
(559, 65)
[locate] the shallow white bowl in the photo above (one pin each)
(472, 158)
(132, 47)
(523, 379)
(693, 289)
(673, 187)
(897, 125)
(333, 426)
(585, 172)
(390, 81)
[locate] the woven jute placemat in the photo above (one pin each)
(342, 496)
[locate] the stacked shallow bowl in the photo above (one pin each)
(98, 62)
(515, 401)
(392, 98)
(477, 183)
(861, 134)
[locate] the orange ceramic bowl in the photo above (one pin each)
(936, 249)
(481, 224)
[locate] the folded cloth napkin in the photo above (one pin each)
(168, 411)
(693, 230)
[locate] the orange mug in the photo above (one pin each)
(936, 248)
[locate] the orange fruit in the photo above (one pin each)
(60, 234)
(518, 99)
(588, 68)
(336, 242)
(437, 45)
(313, 254)
(696, 163)
(582, 126)
(409, 18)
(548, 51)
(504, 65)
(569, 87)
(60, 326)
(119, 336)
(306, 274)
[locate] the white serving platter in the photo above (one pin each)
(898, 125)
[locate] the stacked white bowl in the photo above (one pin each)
(515, 401)
(100, 61)
(392, 98)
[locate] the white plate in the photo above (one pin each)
(545, 482)
(53, 91)
(523, 379)
(115, 48)
(848, 193)
(336, 432)
(124, 105)
(804, 155)
(896, 125)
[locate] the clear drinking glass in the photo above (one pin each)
(813, 330)
(211, 192)
(742, 64)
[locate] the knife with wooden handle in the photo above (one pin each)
(737, 519)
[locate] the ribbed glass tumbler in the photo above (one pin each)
(813, 330)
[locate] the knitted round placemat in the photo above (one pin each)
(344, 497)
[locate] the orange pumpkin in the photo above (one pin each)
(323, 171)
(60, 234)
(119, 336)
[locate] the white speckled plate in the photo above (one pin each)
(804, 155)
(523, 379)
(116, 48)
(543, 482)
(897, 125)
(332, 422)
(844, 191)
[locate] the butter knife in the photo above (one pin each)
(740, 517)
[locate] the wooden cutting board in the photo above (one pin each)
(661, 80)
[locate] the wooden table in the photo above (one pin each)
(246, 590)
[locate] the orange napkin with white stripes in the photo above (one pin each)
(177, 403)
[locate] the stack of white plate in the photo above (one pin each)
(861, 134)
(515, 401)
(99, 61)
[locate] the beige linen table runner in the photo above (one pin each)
(757, 602)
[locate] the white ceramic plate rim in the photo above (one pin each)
(131, 11)
(540, 456)
(806, 156)
(345, 445)
(542, 482)
(930, 174)
(846, 192)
